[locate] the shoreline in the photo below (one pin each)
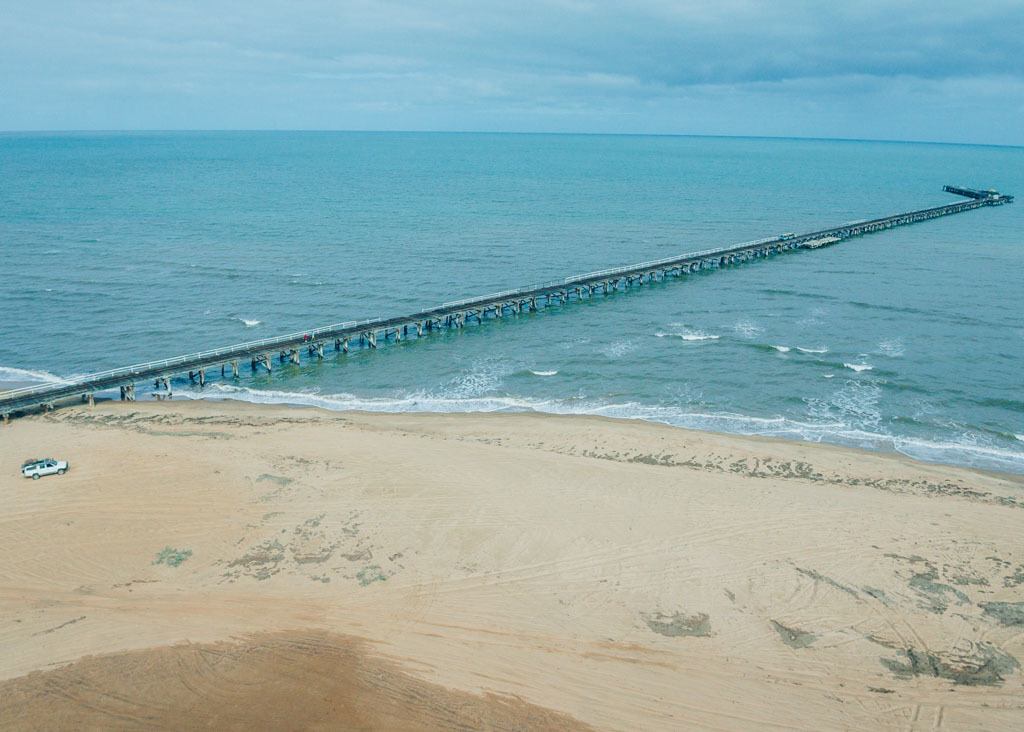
(579, 571)
(755, 439)
(986, 459)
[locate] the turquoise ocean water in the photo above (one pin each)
(119, 248)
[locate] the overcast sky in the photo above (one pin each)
(911, 70)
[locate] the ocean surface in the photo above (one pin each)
(120, 248)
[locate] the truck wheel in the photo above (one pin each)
(35, 476)
(61, 471)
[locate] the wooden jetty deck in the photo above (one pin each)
(262, 354)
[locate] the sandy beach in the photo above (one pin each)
(234, 566)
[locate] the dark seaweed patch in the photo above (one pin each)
(986, 665)
(1007, 613)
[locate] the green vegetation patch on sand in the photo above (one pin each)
(369, 575)
(1007, 613)
(172, 557)
(794, 637)
(677, 624)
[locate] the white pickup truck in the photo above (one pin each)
(47, 466)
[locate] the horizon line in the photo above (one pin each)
(319, 130)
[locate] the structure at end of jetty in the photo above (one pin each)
(456, 314)
(991, 196)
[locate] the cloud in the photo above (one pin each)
(647, 65)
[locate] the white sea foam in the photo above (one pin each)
(859, 366)
(982, 456)
(782, 349)
(690, 336)
(837, 423)
(829, 376)
(249, 323)
(9, 373)
(893, 348)
(747, 329)
(619, 349)
(812, 350)
(857, 403)
(482, 379)
(414, 402)
(854, 404)
(543, 373)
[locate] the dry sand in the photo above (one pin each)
(224, 565)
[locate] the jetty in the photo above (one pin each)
(267, 353)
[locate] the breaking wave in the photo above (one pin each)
(691, 336)
(858, 367)
(9, 373)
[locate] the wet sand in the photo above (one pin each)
(288, 680)
(235, 566)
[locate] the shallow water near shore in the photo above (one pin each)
(151, 245)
